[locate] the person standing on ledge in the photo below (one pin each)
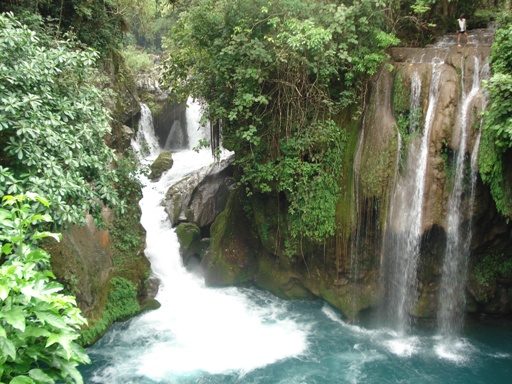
(462, 30)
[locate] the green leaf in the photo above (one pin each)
(36, 332)
(6, 249)
(80, 353)
(64, 339)
(69, 368)
(40, 377)
(4, 291)
(7, 348)
(51, 319)
(42, 235)
(22, 380)
(14, 317)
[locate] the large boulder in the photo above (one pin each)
(191, 243)
(163, 163)
(201, 196)
(83, 261)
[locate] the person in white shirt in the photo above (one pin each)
(462, 30)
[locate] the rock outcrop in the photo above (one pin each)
(163, 163)
(247, 246)
(194, 203)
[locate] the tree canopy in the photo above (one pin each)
(276, 74)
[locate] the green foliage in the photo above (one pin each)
(492, 267)
(137, 60)
(276, 73)
(53, 124)
(149, 21)
(128, 236)
(122, 303)
(98, 24)
(497, 129)
(310, 185)
(38, 325)
(408, 119)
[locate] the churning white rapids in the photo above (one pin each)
(244, 335)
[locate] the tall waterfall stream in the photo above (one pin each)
(451, 302)
(407, 211)
(244, 335)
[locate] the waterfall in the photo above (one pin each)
(197, 329)
(175, 139)
(415, 109)
(146, 142)
(354, 251)
(187, 134)
(454, 273)
(406, 214)
(196, 131)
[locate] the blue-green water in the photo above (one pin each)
(335, 352)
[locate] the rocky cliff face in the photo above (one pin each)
(436, 87)
(87, 259)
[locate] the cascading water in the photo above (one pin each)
(406, 213)
(415, 109)
(355, 243)
(196, 328)
(453, 280)
(186, 134)
(146, 143)
(175, 137)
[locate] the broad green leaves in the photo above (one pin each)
(53, 124)
(497, 129)
(38, 324)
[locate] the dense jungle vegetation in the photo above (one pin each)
(275, 74)
(278, 78)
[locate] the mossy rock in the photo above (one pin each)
(231, 260)
(426, 306)
(281, 281)
(188, 233)
(351, 299)
(189, 237)
(150, 304)
(163, 163)
(122, 304)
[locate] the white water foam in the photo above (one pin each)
(456, 350)
(404, 347)
(374, 343)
